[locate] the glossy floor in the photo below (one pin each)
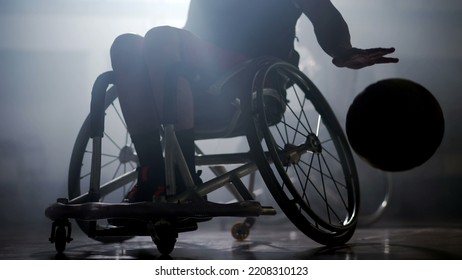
(213, 241)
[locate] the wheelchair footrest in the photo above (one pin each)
(92, 211)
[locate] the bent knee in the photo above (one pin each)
(126, 45)
(161, 34)
(163, 42)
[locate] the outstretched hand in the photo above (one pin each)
(356, 58)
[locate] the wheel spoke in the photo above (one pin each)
(302, 108)
(109, 163)
(112, 141)
(307, 147)
(318, 125)
(321, 174)
(116, 171)
(109, 155)
(119, 115)
(294, 129)
(334, 182)
(295, 115)
(321, 195)
(324, 190)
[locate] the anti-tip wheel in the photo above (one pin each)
(240, 231)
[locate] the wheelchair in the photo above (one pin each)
(295, 143)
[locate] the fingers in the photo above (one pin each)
(382, 51)
(378, 55)
(383, 60)
(359, 58)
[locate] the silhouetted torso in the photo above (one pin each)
(251, 27)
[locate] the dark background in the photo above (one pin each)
(51, 52)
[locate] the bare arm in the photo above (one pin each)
(330, 28)
(333, 36)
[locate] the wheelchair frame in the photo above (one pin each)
(161, 218)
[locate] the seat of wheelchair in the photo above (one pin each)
(226, 119)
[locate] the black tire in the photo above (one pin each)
(164, 235)
(60, 239)
(240, 231)
(304, 159)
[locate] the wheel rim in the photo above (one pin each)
(312, 175)
(118, 159)
(118, 155)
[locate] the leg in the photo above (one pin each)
(138, 107)
(202, 63)
(168, 49)
(142, 67)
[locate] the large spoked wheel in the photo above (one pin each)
(118, 162)
(304, 158)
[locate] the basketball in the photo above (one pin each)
(395, 124)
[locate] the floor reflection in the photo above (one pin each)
(264, 242)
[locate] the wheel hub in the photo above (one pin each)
(313, 143)
(127, 154)
(293, 154)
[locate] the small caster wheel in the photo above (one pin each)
(61, 234)
(165, 246)
(60, 239)
(164, 235)
(240, 231)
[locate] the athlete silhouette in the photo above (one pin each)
(218, 35)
